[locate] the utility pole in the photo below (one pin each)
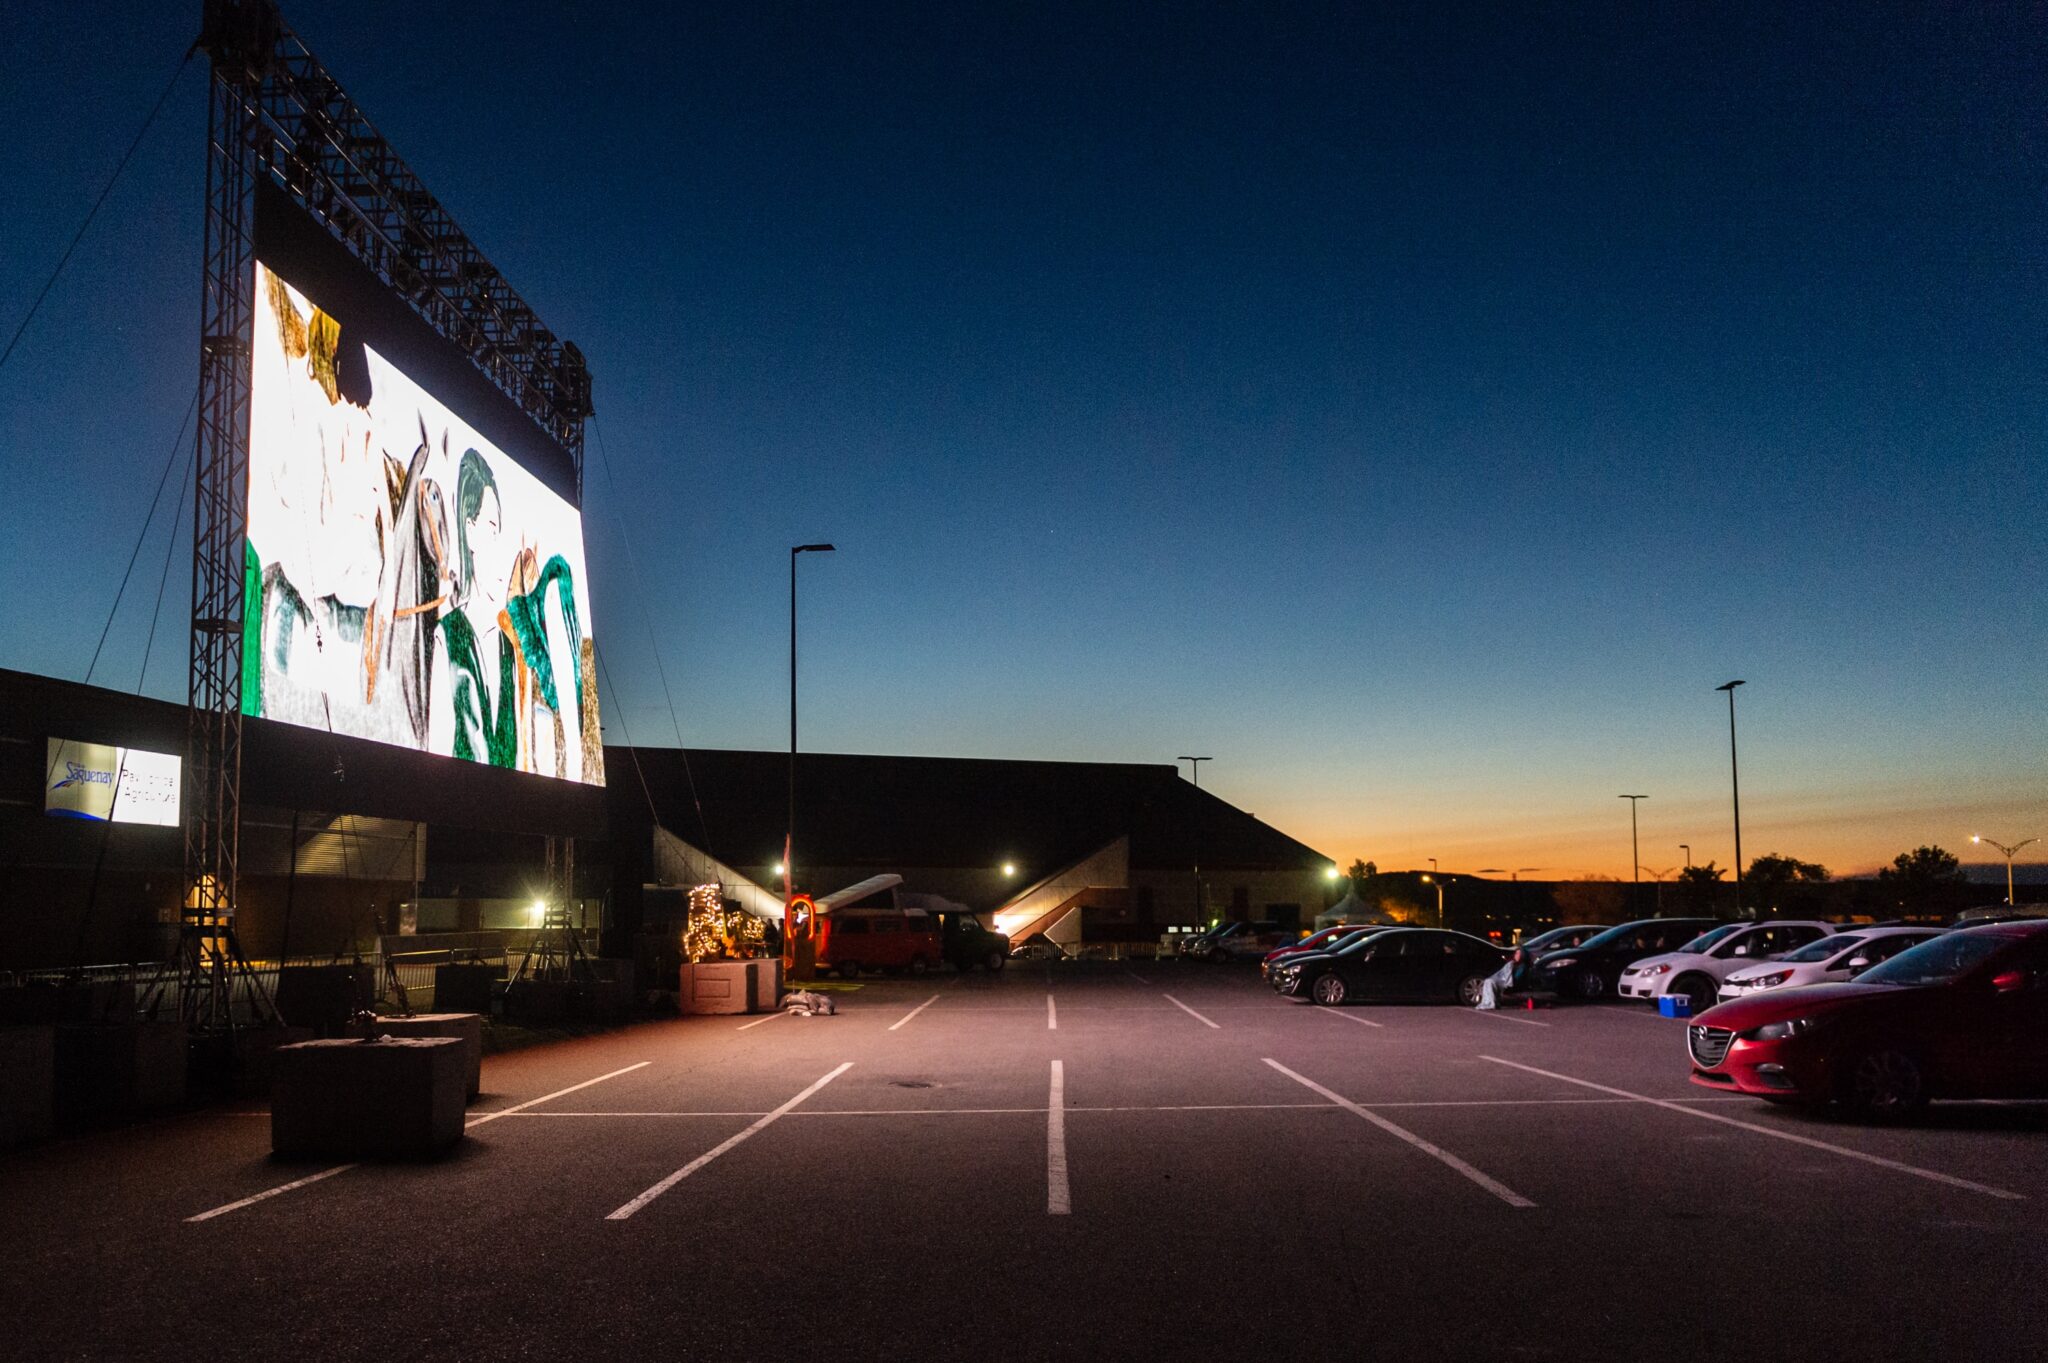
(2008, 859)
(1635, 852)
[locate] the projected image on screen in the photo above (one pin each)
(406, 581)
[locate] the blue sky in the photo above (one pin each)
(1421, 411)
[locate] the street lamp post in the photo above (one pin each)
(1992, 842)
(1658, 876)
(1195, 774)
(1635, 851)
(1686, 848)
(1432, 879)
(1735, 789)
(789, 829)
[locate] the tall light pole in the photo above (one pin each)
(789, 829)
(1735, 788)
(1195, 774)
(1432, 879)
(1658, 876)
(1635, 851)
(1686, 848)
(2008, 859)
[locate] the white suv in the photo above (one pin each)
(1825, 961)
(1695, 970)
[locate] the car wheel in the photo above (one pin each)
(1328, 990)
(1885, 1084)
(1700, 992)
(1471, 989)
(918, 965)
(1588, 984)
(995, 961)
(849, 970)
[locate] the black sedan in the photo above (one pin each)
(1406, 965)
(1590, 969)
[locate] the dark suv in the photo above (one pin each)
(967, 944)
(1590, 969)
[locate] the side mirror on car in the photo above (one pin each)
(1857, 964)
(1740, 950)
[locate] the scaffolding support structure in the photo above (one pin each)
(275, 115)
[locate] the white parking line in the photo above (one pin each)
(1796, 1139)
(1494, 1186)
(913, 1012)
(1136, 976)
(1052, 1015)
(1058, 1202)
(1190, 1012)
(1348, 1017)
(475, 1121)
(1500, 1015)
(483, 1117)
(762, 1123)
(758, 1021)
(270, 1193)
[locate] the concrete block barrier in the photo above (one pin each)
(392, 1098)
(28, 1084)
(468, 1028)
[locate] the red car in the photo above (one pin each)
(1324, 940)
(1962, 1016)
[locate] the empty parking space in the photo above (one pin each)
(1049, 1123)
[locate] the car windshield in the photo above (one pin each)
(1822, 950)
(1937, 961)
(1707, 939)
(1556, 937)
(1618, 936)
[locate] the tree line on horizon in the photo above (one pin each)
(1925, 882)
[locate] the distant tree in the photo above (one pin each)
(1926, 880)
(1361, 875)
(1699, 887)
(1598, 900)
(1772, 881)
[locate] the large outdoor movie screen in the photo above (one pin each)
(407, 581)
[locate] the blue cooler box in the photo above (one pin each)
(1671, 1007)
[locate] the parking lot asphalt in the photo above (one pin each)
(1160, 1160)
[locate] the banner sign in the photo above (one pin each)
(104, 784)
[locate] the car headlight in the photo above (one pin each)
(1653, 970)
(1779, 1031)
(1768, 981)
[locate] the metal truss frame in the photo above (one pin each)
(275, 113)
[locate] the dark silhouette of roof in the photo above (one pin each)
(890, 812)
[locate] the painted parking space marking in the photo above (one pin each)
(762, 1123)
(475, 1121)
(1052, 1015)
(758, 1021)
(1190, 1012)
(1499, 1015)
(269, 1193)
(1932, 1175)
(1058, 1200)
(1348, 1017)
(1436, 1152)
(517, 1108)
(913, 1012)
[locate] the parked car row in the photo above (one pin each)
(1390, 964)
(1960, 1014)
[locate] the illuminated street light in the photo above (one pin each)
(1331, 872)
(789, 829)
(1009, 868)
(1992, 842)
(1735, 788)
(780, 869)
(1433, 880)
